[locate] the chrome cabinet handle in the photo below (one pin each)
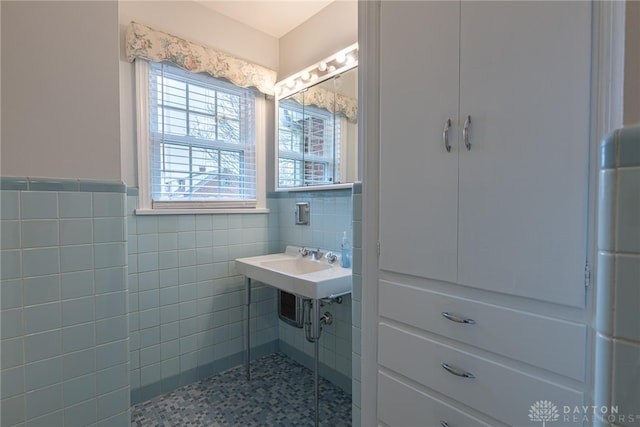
(465, 133)
(457, 372)
(457, 319)
(443, 423)
(445, 135)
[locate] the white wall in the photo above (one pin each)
(60, 106)
(333, 28)
(194, 22)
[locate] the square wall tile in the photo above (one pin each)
(39, 205)
(626, 357)
(42, 289)
(41, 317)
(76, 258)
(39, 233)
(84, 413)
(43, 373)
(113, 403)
(107, 230)
(12, 352)
(109, 255)
(112, 354)
(11, 264)
(108, 204)
(12, 410)
(9, 205)
(40, 262)
(627, 297)
(77, 284)
(112, 379)
(110, 280)
(13, 382)
(76, 231)
(111, 305)
(78, 337)
(11, 294)
(79, 389)
(76, 311)
(78, 363)
(628, 211)
(10, 237)
(42, 346)
(75, 205)
(44, 401)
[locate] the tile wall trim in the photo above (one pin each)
(53, 184)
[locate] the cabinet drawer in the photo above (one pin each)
(553, 344)
(401, 405)
(499, 391)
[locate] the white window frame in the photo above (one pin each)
(145, 205)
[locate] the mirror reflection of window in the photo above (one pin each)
(308, 141)
(317, 132)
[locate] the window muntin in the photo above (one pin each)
(202, 139)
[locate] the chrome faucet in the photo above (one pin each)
(315, 255)
(304, 252)
(331, 257)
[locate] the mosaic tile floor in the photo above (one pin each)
(280, 393)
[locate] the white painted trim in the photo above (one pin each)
(142, 136)
(369, 146)
(260, 117)
(200, 211)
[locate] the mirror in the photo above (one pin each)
(317, 131)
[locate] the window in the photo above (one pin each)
(198, 147)
(309, 145)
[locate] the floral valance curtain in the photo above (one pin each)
(146, 43)
(325, 98)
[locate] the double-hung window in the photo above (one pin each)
(309, 145)
(198, 144)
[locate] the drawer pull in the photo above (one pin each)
(443, 423)
(457, 372)
(457, 319)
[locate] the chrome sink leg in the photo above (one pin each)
(316, 363)
(247, 284)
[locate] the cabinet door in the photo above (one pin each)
(525, 82)
(418, 177)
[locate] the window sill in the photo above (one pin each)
(200, 211)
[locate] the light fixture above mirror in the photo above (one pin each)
(335, 64)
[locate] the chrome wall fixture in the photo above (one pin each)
(303, 212)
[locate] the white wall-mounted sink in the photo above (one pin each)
(299, 275)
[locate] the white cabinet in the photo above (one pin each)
(510, 214)
(486, 221)
(419, 178)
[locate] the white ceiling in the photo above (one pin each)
(273, 17)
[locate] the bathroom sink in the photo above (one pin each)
(296, 274)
